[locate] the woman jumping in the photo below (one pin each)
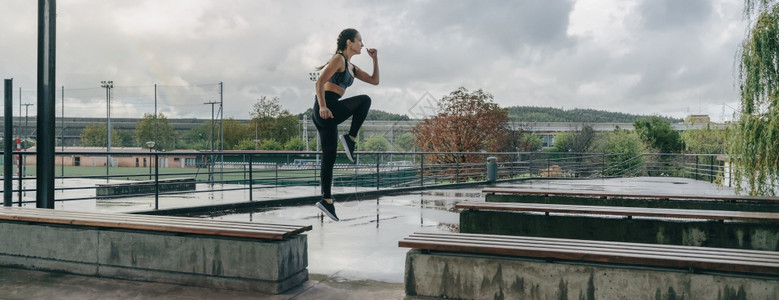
(329, 111)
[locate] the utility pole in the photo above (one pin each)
(211, 157)
(26, 131)
(26, 135)
(221, 131)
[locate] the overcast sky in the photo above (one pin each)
(653, 57)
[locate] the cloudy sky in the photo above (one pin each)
(653, 57)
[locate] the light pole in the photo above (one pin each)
(108, 85)
(150, 144)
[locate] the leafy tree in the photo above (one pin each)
(563, 141)
(271, 121)
(405, 142)
(234, 133)
(705, 140)
(658, 134)
(295, 144)
(466, 122)
(246, 144)
(198, 138)
(375, 143)
(271, 144)
(622, 152)
(754, 145)
(163, 137)
(125, 138)
(578, 141)
(94, 135)
(529, 142)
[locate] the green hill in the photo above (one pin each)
(548, 114)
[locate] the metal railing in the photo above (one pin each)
(257, 170)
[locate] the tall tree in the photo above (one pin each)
(658, 134)
(164, 137)
(375, 143)
(94, 135)
(623, 151)
(578, 141)
(754, 145)
(705, 140)
(234, 133)
(271, 121)
(466, 122)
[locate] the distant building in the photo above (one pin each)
(697, 119)
(132, 157)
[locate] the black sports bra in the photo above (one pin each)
(343, 79)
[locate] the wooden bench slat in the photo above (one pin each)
(561, 252)
(122, 218)
(581, 251)
(576, 245)
(137, 216)
(158, 227)
(656, 261)
(173, 219)
(622, 211)
(604, 244)
(624, 195)
(166, 224)
(164, 219)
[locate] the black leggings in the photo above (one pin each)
(356, 107)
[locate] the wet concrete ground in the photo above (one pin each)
(356, 258)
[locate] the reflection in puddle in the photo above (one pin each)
(364, 244)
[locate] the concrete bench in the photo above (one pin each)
(479, 266)
(144, 187)
(689, 227)
(713, 202)
(249, 256)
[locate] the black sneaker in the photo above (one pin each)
(348, 144)
(328, 209)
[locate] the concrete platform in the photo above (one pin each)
(356, 258)
(28, 284)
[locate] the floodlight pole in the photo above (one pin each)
(108, 85)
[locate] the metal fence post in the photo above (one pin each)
(711, 169)
(421, 170)
(457, 171)
(156, 180)
(696, 167)
(378, 171)
(7, 147)
(251, 178)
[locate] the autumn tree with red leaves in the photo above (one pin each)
(466, 122)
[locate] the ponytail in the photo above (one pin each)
(346, 34)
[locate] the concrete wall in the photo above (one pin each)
(231, 263)
(739, 235)
(446, 275)
(650, 203)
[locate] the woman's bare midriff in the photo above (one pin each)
(332, 87)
